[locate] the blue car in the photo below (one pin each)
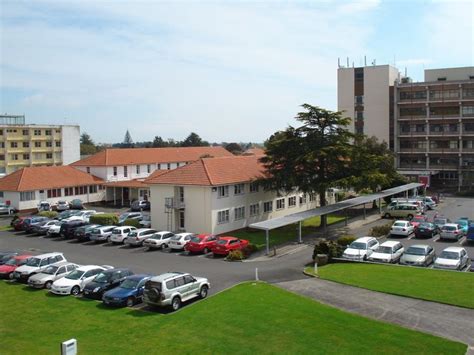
(129, 292)
(470, 236)
(463, 225)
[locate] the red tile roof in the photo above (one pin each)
(47, 177)
(213, 172)
(135, 183)
(255, 151)
(132, 156)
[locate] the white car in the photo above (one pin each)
(54, 230)
(37, 264)
(361, 248)
(130, 215)
(402, 229)
(388, 252)
(178, 241)
(158, 240)
(53, 272)
(120, 233)
(136, 237)
(452, 258)
(451, 231)
(82, 216)
(74, 282)
(62, 206)
(101, 234)
(146, 221)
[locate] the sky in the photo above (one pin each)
(227, 70)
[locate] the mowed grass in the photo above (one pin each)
(251, 318)
(283, 234)
(451, 287)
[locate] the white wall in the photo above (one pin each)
(70, 143)
(345, 93)
(462, 73)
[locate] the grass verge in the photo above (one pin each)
(268, 320)
(6, 228)
(448, 287)
(284, 234)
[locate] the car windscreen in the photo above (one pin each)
(384, 250)
(132, 234)
(355, 245)
(196, 239)
(440, 220)
(399, 224)
(224, 242)
(129, 284)
(176, 237)
(33, 262)
(156, 236)
(11, 262)
(51, 270)
(95, 231)
(449, 228)
(124, 215)
(75, 275)
(462, 222)
(415, 251)
(449, 255)
(425, 225)
(103, 277)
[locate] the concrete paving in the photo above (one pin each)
(442, 320)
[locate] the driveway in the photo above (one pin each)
(442, 320)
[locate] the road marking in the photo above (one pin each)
(437, 239)
(462, 240)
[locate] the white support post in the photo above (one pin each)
(300, 237)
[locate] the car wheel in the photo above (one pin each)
(387, 215)
(164, 246)
(176, 303)
(206, 250)
(109, 240)
(47, 284)
(130, 302)
(75, 291)
(203, 291)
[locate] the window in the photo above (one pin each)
(14, 144)
(1, 132)
(26, 144)
(47, 132)
(359, 100)
(37, 144)
(412, 111)
(312, 197)
(148, 168)
(302, 199)
(88, 170)
(68, 191)
(239, 213)
(49, 144)
(158, 166)
(223, 191)
(14, 156)
(54, 193)
(115, 171)
(280, 203)
(223, 217)
(49, 155)
(453, 127)
(239, 189)
(253, 187)
(254, 209)
(267, 206)
(468, 110)
(360, 115)
(2, 144)
(37, 132)
(25, 132)
(2, 157)
(26, 157)
(138, 169)
(58, 144)
(125, 171)
(420, 128)
(292, 201)
(80, 190)
(168, 166)
(442, 78)
(27, 196)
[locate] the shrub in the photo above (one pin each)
(131, 222)
(345, 240)
(49, 214)
(379, 231)
(249, 249)
(329, 248)
(340, 196)
(235, 255)
(104, 219)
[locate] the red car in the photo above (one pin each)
(201, 243)
(18, 224)
(415, 222)
(225, 244)
(11, 265)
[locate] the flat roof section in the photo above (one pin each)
(320, 211)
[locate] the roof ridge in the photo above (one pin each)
(207, 171)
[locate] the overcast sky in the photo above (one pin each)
(227, 70)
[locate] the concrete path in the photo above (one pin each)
(442, 320)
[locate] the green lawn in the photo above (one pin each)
(433, 285)
(6, 228)
(283, 234)
(249, 318)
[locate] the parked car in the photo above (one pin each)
(463, 225)
(120, 233)
(7, 255)
(470, 234)
(17, 223)
(66, 214)
(387, 252)
(426, 229)
(226, 244)
(201, 243)
(428, 201)
(136, 237)
(54, 230)
(36, 264)
(173, 288)
(178, 241)
(401, 229)
(412, 201)
(74, 282)
(128, 293)
(62, 206)
(140, 205)
(101, 234)
(146, 221)
(361, 248)
(106, 280)
(45, 278)
(83, 215)
(43, 227)
(402, 211)
(12, 264)
(418, 255)
(416, 220)
(44, 206)
(451, 231)
(68, 228)
(130, 215)
(29, 222)
(76, 204)
(7, 209)
(83, 233)
(452, 258)
(158, 240)
(441, 221)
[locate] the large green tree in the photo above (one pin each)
(87, 145)
(193, 140)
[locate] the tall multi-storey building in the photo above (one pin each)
(23, 145)
(434, 127)
(366, 96)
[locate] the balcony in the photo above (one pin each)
(444, 133)
(412, 166)
(412, 150)
(412, 134)
(444, 150)
(412, 117)
(175, 203)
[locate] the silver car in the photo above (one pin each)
(46, 278)
(451, 231)
(102, 234)
(135, 238)
(418, 255)
(6, 209)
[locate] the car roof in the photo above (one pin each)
(139, 230)
(400, 220)
(184, 234)
(389, 243)
(166, 276)
(455, 249)
(424, 246)
(105, 227)
(47, 255)
(21, 257)
(163, 232)
(89, 267)
(364, 239)
(139, 277)
(451, 225)
(109, 271)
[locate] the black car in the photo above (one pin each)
(6, 255)
(32, 222)
(141, 205)
(37, 228)
(83, 234)
(426, 230)
(106, 280)
(68, 228)
(76, 204)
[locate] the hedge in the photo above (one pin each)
(49, 214)
(132, 222)
(104, 219)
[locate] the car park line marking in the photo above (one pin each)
(437, 239)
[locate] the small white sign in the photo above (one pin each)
(69, 347)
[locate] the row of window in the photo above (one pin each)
(451, 144)
(437, 111)
(159, 166)
(238, 189)
(68, 191)
(436, 94)
(37, 144)
(26, 156)
(36, 132)
(452, 127)
(254, 209)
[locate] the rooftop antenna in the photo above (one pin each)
(405, 71)
(352, 64)
(338, 62)
(348, 62)
(365, 60)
